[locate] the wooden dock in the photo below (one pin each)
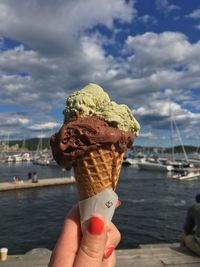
(41, 183)
(160, 255)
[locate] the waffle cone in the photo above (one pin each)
(97, 170)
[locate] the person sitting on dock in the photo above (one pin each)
(17, 179)
(29, 176)
(191, 235)
(35, 178)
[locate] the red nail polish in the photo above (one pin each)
(95, 226)
(108, 252)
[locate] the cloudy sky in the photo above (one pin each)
(144, 53)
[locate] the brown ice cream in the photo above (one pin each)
(83, 134)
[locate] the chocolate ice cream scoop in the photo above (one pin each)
(85, 134)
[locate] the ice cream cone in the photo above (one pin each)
(98, 170)
(93, 138)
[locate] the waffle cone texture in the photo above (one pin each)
(98, 170)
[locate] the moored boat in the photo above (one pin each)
(9, 159)
(131, 161)
(155, 165)
(187, 174)
(17, 158)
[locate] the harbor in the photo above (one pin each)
(171, 255)
(32, 208)
(180, 168)
(48, 200)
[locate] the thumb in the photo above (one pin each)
(93, 243)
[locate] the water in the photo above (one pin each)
(153, 208)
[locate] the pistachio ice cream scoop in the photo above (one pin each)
(92, 100)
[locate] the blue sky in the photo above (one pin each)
(145, 54)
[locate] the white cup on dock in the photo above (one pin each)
(4, 254)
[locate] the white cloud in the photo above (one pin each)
(148, 19)
(54, 30)
(20, 125)
(4, 12)
(164, 6)
(159, 115)
(153, 51)
(19, 59)
(148, 135)
(197, 27)
(44, 126)
(195, 14)
(13, 119)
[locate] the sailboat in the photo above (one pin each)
(167, 165)
(40, 158)
(26, 156)
(178, 165)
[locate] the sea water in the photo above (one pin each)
(153, 208)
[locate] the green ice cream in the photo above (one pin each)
(92, 100)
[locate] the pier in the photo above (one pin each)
(41, 183)
(157, 255)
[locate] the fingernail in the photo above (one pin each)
(108, 252)
(95, 226)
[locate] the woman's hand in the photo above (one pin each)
(92, 248)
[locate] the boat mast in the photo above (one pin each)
(24, 144)
(180, 140)
(172, 130)
(175, 127)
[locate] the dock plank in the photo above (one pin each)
(180, 260)
(128, 263)
(6, 186)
